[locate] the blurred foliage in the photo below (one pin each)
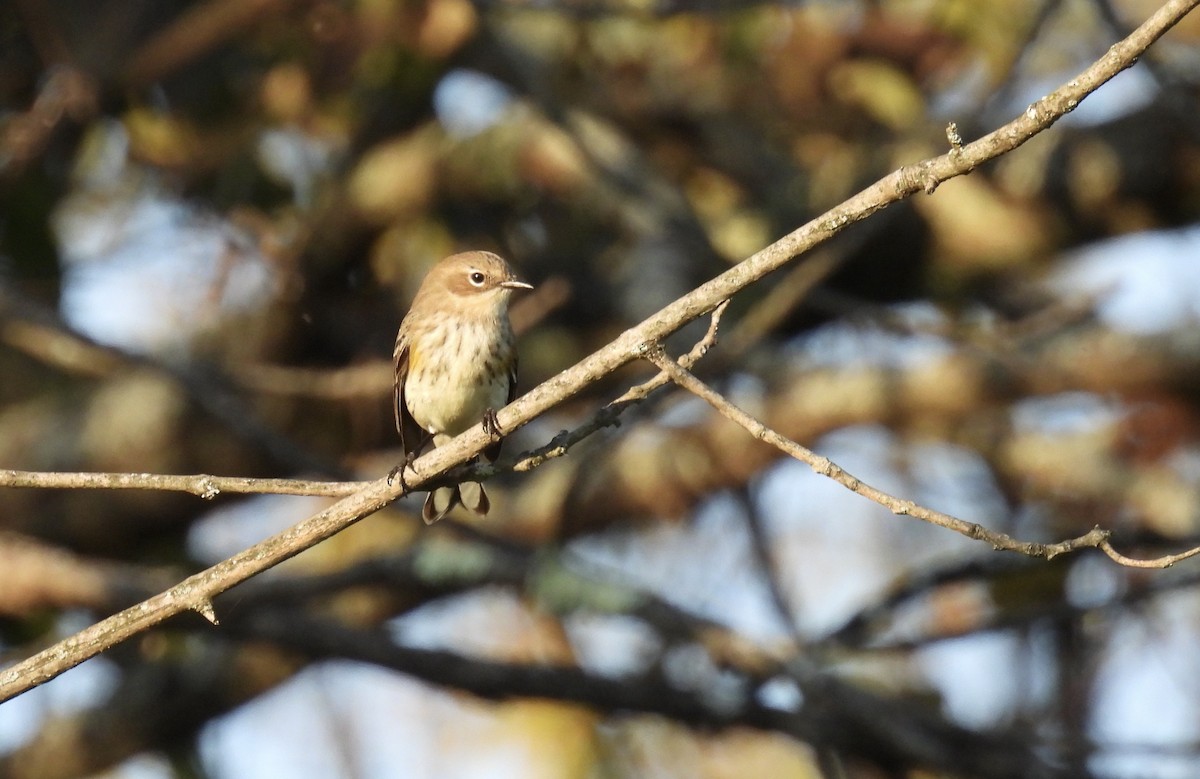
(297, 165)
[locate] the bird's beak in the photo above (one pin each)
(515, 284)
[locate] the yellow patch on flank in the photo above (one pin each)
(412, 359)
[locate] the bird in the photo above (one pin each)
(455, 364)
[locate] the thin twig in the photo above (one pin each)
(610, 413)
(201, 485)
(1158, 562)
(1096, 538)
(631, 345)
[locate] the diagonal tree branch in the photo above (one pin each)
(195, 592)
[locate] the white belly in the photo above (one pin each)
(450, 394)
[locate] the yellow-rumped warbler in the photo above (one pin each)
(456, 363)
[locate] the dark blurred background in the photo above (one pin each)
(214, 213)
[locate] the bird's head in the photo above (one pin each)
(475, 279)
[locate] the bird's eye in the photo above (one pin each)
(476, 278)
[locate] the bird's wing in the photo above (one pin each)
(412, 437)
(512, 380)
(493, 451)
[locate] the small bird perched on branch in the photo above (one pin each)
(456, 363)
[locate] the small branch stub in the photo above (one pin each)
(208, 490)
(205, 609)
(953, 137)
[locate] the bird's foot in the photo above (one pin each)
(399, 471)
(491, 425)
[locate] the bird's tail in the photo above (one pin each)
(469, 494)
